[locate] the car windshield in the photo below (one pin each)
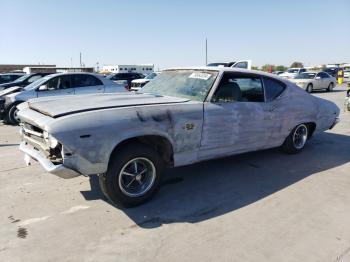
(292, 71)
(36, 83)
(305, 76)
(22, 78)
(151, 76)
(191, 84)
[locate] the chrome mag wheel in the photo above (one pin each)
(137, 177)
(300, 136)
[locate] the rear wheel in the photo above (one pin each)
(133, 175)
(309, 88)
(330, 87)
(296, 140)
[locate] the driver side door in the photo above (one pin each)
(237, 117)
(57, 86)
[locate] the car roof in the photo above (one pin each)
(17, 74)
(71, 73)
(231, 69)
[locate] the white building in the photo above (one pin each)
(143, 69)
(54, 69)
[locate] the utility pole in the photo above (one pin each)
(206, 51)
(80, 58)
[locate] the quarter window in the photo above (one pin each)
(273, 89)
(239, 88)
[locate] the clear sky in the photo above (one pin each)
(172, 33)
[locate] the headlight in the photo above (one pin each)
(50, 140)
(53, 143)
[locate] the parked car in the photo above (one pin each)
(347, 75)
(347, 99)
(246, 64)
(315, 81)
(137, 84)
(292, 72)
(182, 117)
(277, 72)
(128, 77)
(52, 86)
(333, 71)
(24, 80)
(9, 77)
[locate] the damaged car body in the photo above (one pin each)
(182, 117)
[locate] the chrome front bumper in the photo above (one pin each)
(58, 170)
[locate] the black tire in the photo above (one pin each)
(330, 87)
(309, 88)
(111, 183)
(11, 115)
(290, 146)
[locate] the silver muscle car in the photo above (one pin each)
(181, 117)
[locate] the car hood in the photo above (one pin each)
(83, 103)
(9, 90)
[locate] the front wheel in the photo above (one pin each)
(12, 117)
(296, 140)
(133, 175)
(309, 88)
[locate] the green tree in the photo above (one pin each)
(255, 68)
(280, 68)
(297, 64)
(267, 68)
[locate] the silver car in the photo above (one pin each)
(183, 116)
(52, 86)
(310, 81)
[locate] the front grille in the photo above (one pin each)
(35, 137)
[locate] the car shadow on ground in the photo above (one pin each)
(209, 189)
(325, 91)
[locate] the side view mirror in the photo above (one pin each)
(42, 88)
(317, 77)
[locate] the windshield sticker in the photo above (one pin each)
(198, 75)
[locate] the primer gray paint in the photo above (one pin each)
(216, 129)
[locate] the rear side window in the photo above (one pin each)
(85, 80)
(273, 88)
